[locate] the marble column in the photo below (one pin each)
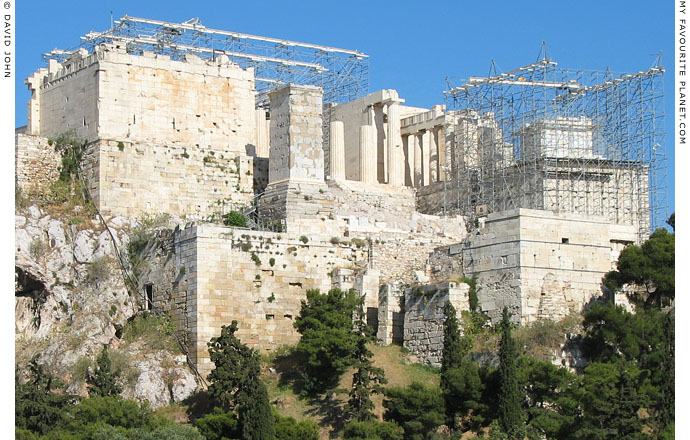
(417, 145)
(396, 173)
(337, 150)
(441, 142)
(426, 149)
(367, 154)
(433, 156)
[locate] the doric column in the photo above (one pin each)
(396, 173)
(417, 160)
(367, 154)
(426, 144)
(433, 156)
(441, 142)
(337, 150)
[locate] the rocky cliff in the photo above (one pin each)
(71, 300)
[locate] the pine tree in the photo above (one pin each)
(236, 382)
(367, 379)
(104, 380)
(510, 415)
(453, 349)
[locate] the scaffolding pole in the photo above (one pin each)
(342, 74)
(565, 140)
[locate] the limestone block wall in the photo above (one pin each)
(35, 162)
(115, 95)
(423, 334)
(257, 278)
(67, 98)
(131, 178)
(296, 134)
(391, 310)
(541, 264)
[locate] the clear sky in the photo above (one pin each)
(413, 46)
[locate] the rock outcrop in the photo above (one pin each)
(71, 300)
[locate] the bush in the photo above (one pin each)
(304, 239)
(287, 428)
(218, 425)
(234, 218)
(98, 270)
(37, 248)
(372, 430)
(156, 330)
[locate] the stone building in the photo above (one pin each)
(356, 189)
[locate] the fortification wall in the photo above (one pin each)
(424, 318)
(35, 162)
(132, 178)
(114, 95)
(541, 264)
(257, 278)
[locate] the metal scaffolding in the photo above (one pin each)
(544, 137)
(343, 74)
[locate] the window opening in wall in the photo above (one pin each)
(149, 297)
(173, 123)
(134, 118)
(565, 240)
(84, 122)
(268, 317)
(504, 259)
(288, 315)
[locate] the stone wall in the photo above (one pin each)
(111, 94)
(424, 318)
(257, 278)
(541, 264)
(134, 178)
(36, 163)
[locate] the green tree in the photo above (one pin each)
(37, 407)
(510, 414)
(235, 382)
(372, 430)
(460, 382)
(610, 401)
(218, 425)
(287, 428)
(651, 266)
(328, 342)
(104, 380)
(551, 409)
(367, 379)
(418, 409)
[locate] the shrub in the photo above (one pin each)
(37, 248)
(98, 270)
(156, 330)
(256, 259)
(234, 218)
(287, 428)
(304, 239)
(272, 261)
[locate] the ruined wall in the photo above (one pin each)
(35, 162)
(257, 278)
(133, 178)
(423, 334)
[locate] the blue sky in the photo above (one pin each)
(413, 46)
